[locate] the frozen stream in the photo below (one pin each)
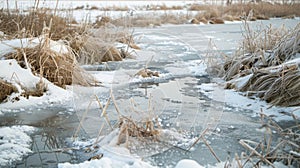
(177, 53)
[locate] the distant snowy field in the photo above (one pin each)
(67, 8)
(65, 4)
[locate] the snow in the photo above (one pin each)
(12, 72)
(23, 78)
(106, 162)
(236, 99)
(115, 155)
(198, 68)
(186, 163)
(14, 143)
(8, 46)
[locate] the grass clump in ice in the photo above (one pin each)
(267, 65)
(53, 61)
(99, 45)
(139, 129)
(6, 90)
(134, 128)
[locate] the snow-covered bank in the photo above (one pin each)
(241, 101)
(32, 87)
(23, 79)
(14, 143)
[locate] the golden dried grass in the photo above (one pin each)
(94, 50)
(195, 21)
(60, 68)
(6, 90)
(203, 20)
(208, 15)
(285, 47)
(145, 21)
(145, 73)
(39, 90)
(197, 7)
(279, 87)
(152, 20)
(262, 10)
(171, 18)
(216, 21)
(101, 21)
(139, 129)
(142, 129)
(79, 7)
(98, 46)
(272, 79)
(115, 8)
(32, 24)
(228, 17)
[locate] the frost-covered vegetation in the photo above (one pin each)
(267, 65)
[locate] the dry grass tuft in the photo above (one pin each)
(115, 8)
(262, 17)
(197, 7)
(6, 90)
(32, 24)
(142, 21)
(263, 58)
(216, 21)
(146, 73)
(94, 8)
(139, 129)
(61, 68)
(164, 7)
(203, 20)
(261, 11)
(276, 86)
(195, 21)
(39, 90)
(98, 46)
(93, 50)
(79, 7)
(152, 20)
(211, 17)
(129, 129)
(102, 21)
(228, 17)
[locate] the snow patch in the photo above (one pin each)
(239, 100)
(186, 163)
(23, 78)
(14, 143)
(155, 79)
(115, 155)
